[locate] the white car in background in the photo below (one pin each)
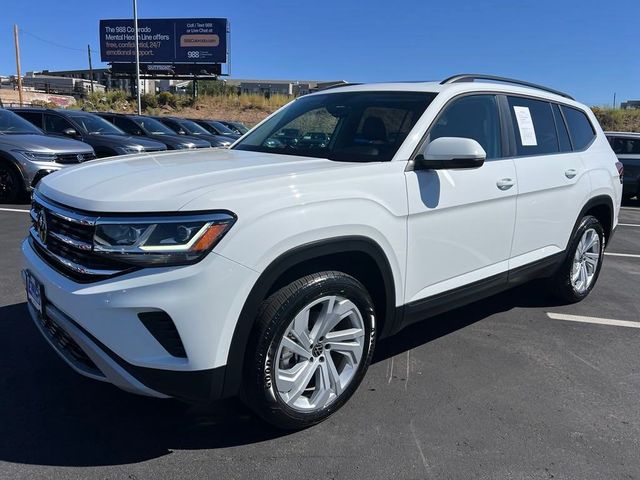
(270, 270)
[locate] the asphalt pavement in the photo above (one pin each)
(512, 387)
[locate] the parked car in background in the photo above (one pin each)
(216, 128)
(143, 126)
(236, 127)
(183, 126)
(106, 139)
(626, 146)
(313, 140)
(27, 155)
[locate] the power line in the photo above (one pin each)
(55, 44)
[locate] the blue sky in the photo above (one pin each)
(588, 48)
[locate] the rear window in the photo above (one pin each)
(534, 126)
(580, 128)
(625, 146)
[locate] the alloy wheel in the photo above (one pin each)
(319, 353)
(585, 261)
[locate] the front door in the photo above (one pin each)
(461, 222)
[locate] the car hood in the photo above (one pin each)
(126, 141)
(180, 139)
(43, 143)
(169, 181)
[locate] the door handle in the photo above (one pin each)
(572, 172)
(505, 183)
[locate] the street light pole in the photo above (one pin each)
(135, 26)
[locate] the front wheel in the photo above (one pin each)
(312, 345)
(578, 274)
(10, 183)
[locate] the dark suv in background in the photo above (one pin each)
(105, 138)
(27, 155)
(215, 128)
(626, 146)
(183, 126)
(142, 126)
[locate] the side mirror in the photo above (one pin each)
(70, 132)
(450, 153)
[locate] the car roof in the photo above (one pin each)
(623, 134)
(455, 88)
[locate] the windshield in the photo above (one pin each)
(11, 123)
(222, 128)
(95, 125)
(356, 126)
(153, 126)
(193, 128)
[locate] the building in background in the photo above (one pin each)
(630, 104)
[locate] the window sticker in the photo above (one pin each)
(525, 125)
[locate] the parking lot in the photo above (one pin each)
(512, 387)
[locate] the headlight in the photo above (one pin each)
(182, 146)
(160, 241)
(38, 156)
(130, 149)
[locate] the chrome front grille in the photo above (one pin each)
(64, 239)
(74, 157)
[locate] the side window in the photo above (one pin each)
(475, 117)
(625, 146)
(33, 117)
(534, 126)
(55, 124)
(127, 125)
(580, 127)
(561, 129)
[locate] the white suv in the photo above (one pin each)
(271, 269)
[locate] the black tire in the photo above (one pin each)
(274, 317)
(11, 188)
(560, 284)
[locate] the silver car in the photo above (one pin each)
(27, 155)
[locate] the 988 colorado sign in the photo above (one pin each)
(192, 40)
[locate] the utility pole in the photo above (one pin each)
(135, 26)
(614, 100)
(17, 42)
(90, 67)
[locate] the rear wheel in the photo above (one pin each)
(311, 348)
(578, 274)
(10, 183)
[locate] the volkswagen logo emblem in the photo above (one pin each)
(41, 226)
(80, 157)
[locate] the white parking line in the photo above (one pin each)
(628, 225)
(628, 255)
(630, 208)
(13, 210)
(600, 321)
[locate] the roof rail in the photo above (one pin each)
(470, 77)
(338, 85)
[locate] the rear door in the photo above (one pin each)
(552, 180)
(461, 222)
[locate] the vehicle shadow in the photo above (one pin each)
(49, 415)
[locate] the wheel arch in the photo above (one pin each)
(602, 208)
(365, 257)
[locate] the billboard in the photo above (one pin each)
(176, 40)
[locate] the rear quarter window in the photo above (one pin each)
(580, 128)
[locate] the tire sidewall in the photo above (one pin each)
(586, 223)
(15, 179)
(344, 286)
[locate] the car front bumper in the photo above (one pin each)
(96, 329)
